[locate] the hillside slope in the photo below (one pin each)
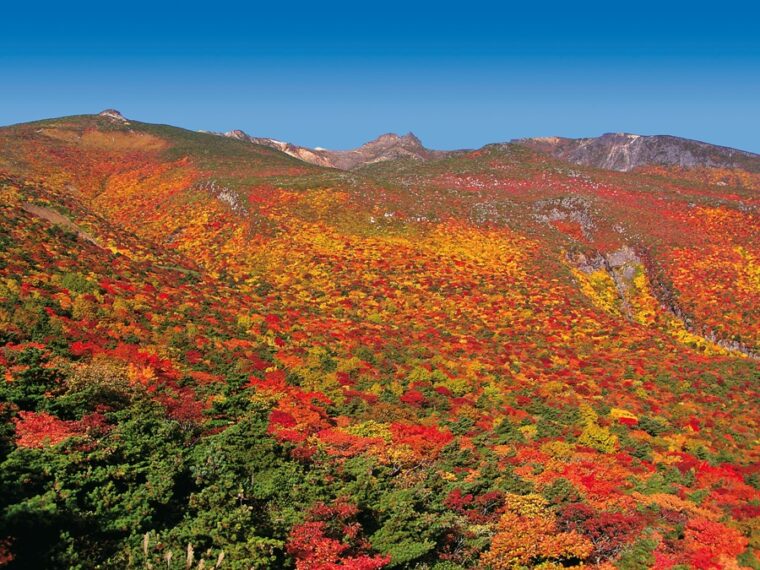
(214, 351)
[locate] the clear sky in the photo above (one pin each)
(335, 74)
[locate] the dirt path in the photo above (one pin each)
(58, 219)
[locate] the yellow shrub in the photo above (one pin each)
(598, 438)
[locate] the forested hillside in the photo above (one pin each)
(215, 355)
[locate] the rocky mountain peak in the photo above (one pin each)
(412, 138)
(114, 115)
(238, 134)
(393, 138)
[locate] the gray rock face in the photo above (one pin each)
(624, 152)
(574, 208)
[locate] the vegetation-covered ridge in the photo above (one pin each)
(213, 354)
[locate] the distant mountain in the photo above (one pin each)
(624, 152)
(389, 146)
(611, 151)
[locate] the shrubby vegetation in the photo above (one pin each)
(419, 365)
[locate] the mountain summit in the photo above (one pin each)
(389, 146)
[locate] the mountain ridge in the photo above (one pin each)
(621, 151)
(627, 151)
(610, 151)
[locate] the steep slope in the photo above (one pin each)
(625, 152)
(210, 350)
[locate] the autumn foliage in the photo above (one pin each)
(210, 350)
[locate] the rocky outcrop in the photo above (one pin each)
(624, 152)
(114, 116)
(576, 209)
(225, 195)
(623, 266)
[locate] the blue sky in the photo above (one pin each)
(335, 74)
